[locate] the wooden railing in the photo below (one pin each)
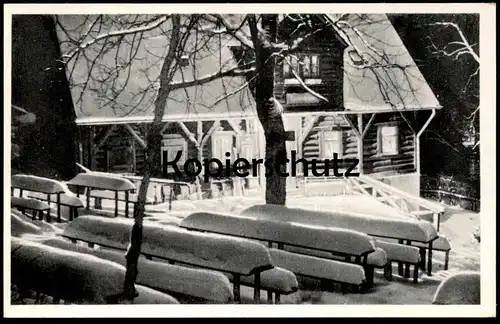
(412, 206)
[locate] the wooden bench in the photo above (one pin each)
(321, 269)
(277, 281)
(340, 242)
(409, 255)
(67, 275)
(441, 244)
(73, 203)
(376, 260)
(100, 181)
(201, 284)
(400, 229)
(36, 206)
(100, 195)
(237, 257)
(45, 186)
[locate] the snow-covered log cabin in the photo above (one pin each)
(360, 95)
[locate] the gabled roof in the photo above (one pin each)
(389, 79)
(395, 84)
(224, 97)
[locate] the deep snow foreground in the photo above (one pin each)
(458, 225)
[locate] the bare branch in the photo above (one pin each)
(462, 36)
(117, 33)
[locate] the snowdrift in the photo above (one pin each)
(318, 268)
(73, 277)
(34, 183)
(173, 243)
(100, 181)
(148, 296)
(460, 289)
(205, 284)
(377, 226)
(315, 237)
(19, 225)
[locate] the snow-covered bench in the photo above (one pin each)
(376, 260)
(440, 244)
(336, 241)
(406, 254)
(73, 203)
(100, 195)
(277, 281)
(400, 229)
(99, 181)
(36, 206)
(201, 284)
(236, 256)
(319, 268)
(46, 186)
(67, 275)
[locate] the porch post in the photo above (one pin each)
(360, 143)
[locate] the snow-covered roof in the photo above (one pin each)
(396, 84)
(388, 79)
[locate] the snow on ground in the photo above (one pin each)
(458, 225)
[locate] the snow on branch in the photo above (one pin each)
(117, 33)
(466, 49)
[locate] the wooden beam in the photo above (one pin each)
(365, 130)
(188, 133)
(199, 130)
(360, 144)
(165, 126)
(103, 136)
(135, 135)
(234, 124)
(212, 129)
(354, 128)
(307, 129)
(91, 150)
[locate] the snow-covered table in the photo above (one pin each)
(392, 228)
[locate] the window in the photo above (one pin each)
(388, 140)
(222, 142)
(330, 142)
(170, 146)
(306, 66)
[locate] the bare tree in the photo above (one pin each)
(455, 50)
(102, 52)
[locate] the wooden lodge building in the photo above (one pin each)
(378, 106)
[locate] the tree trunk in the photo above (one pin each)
(269, 110)
(151, 163)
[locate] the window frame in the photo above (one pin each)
(380, 140)
(340, 141)
(223, 134)
(314, 72)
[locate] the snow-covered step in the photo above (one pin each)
(208, 285)
(319, 268)
(175, 244)
(338, 240)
